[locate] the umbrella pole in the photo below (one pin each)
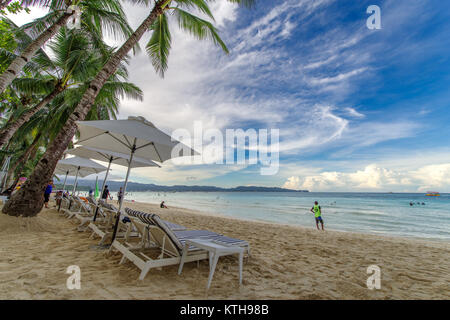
(124, 190)
(103, 188)
(65, 179)
(64, 185)
(75, 183)
(74, 187)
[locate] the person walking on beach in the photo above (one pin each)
(119, 195)
(47, 193)
(317, 214)
(105, 194)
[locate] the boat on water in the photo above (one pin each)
(433, 194)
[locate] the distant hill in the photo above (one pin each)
(134, 186)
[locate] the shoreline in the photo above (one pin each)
(298, 226)
(288, 262)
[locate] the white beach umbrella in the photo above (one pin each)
(78, 167)
(134, 136)
(110, 157)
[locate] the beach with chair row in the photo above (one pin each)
(146, 261)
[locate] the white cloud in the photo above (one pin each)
(23, 17)
(292, 183)
(433, 176)
(338, 78)
(371, 133)
(224, 11)
(353, 113)
(375, 178)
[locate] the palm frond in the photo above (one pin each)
(199, 28)
(39, 86)
(244, 3)
(201, 5)
(121, 90)
(159, 44)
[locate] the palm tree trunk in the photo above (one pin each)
(10, 129)
(18, 63)
(4, 4)
(28, 201)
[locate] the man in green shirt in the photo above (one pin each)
(317, 214)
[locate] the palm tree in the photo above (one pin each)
(96, 15)
(158, 48)
(46, 123)
(74, 63)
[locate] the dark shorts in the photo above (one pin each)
(319, 219)
(46, 197)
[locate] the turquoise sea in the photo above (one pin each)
(376, 213)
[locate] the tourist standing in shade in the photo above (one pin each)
(47, 193)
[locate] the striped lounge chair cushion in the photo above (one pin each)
(144, 217)
(161, 224)
(230, 241)
(148, 219)
(194, 234)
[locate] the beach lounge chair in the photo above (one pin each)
(150, 219)
(182, 233)
(104, 227)
(167, 245)
(85, 220)
(65, 202)
(166, 250)
(78, 209)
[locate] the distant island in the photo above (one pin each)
(84, 185)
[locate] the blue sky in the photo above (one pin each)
(357, 109)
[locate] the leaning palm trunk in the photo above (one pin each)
(18, 63)
(11, 127)
(28, 201)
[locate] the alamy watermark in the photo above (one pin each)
(235, 147)
(374, 21)
(374, 280)
(74, 281)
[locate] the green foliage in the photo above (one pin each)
(159, 44)
(14, 8)
(7, 43)
(71, 63)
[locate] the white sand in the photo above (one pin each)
(287, 263)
